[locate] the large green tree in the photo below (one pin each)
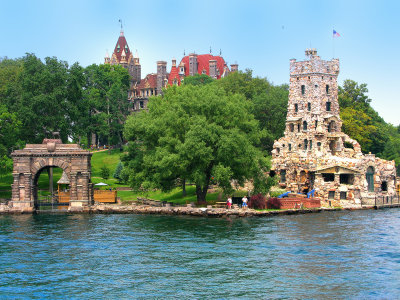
(269, 102)
(106, 96)
(194, 133)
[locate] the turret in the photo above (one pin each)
(161, 75)
(192, 64)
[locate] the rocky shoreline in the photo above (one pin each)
(188, 211)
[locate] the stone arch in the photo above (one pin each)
(29, 163)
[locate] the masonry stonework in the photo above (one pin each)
(29, 162)
(314, 153)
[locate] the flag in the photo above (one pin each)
(335, 33)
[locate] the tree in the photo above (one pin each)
(118, 171)
(195, 132)
(104, 172)
(269, 102)
(10, 128)
(106, 95)
(198, 79)
(360, 120)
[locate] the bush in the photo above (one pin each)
(274, 203)
(104, 172)
(257, 201)
(118, 170)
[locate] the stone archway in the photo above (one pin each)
(29, 162)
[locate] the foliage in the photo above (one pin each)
(6, 165)
(198, 79)
(105, 172)
(118, 171)
(269, 103)
(257, 201)
(194, 132)
(106, 102)
(10, 128)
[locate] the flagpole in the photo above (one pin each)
(333, 45)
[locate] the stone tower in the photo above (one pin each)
(161, 75)
(314, 155)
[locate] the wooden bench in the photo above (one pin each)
(220, 204)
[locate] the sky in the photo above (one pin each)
(258, 35)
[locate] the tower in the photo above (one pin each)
(161, 75)
(315, 155)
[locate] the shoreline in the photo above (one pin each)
(187, 211)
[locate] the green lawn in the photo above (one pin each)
(102, 158)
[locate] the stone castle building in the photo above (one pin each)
(141, 89)
(314, 153)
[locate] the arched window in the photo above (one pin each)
(370, 178)
(304, 125)
(332, 126)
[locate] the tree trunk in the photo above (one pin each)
(201, 191)
(184, 187)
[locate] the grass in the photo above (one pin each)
(99, 159)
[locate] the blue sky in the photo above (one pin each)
(259, 35)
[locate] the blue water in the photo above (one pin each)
(348, 255)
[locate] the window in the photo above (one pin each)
(346, 178)
(316, 123)
(290, 147)
(303, 89)
(370, 178)
(141, 104)
(327, 89)
(328, 177)
(296, 107)
(331, 195)
(304, 125)
(328, 106)
(384, 186)
(332, 126)
(283, 176)
(309, 106)
(319, 146)
(298, 78)
(298, 127)
(316, 86)
(291, 127)
(305, 144)
(310, 144)
(343, 195)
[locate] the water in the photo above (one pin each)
(348, 255)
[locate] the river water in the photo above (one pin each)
(345, 254)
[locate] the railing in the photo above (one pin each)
(105, 196)
(387, 201)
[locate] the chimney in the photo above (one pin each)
(234, 67)
(161, 75)
(173, 62)
(213, 68)
(192, 64)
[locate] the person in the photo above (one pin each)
(244, 202)
(229, 203)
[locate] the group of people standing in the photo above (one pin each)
(229, 202)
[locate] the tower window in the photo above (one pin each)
(310, 144)
(298, 127)
(290, 147)
(303, 89)
(328, 106)
(296, 107)
(305, 144)
(309, 106)
(316, 123)
(291, 127)
(304, 125)
(327, 89)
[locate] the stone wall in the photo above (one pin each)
(314, 153)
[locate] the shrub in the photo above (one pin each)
(274, 203)
(257, 201)
(104, 172)
(118, 170)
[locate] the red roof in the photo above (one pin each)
(174, 74)
(150, 81)
(203, 64)
(122, 43)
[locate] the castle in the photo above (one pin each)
(314, 154)
(141, 89)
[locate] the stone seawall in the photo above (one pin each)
(147, 209)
